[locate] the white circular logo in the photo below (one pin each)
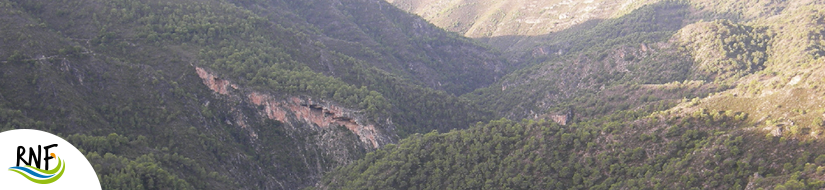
(36, 159)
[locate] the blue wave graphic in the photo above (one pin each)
(31, 172)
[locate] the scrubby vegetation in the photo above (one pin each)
(730, 103)
(118, 78)
(703, 150)
(616, 55)
(665, 95)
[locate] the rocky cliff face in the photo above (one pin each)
(300, 111)
(297, 111)
(336, 135)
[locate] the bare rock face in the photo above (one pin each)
(338, 133)
(296, 111)
(299, 111)
(218, 85)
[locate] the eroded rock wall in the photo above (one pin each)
(298, 111)
(295, 111)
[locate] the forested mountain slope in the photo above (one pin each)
(221, 94)
(516, 18)
(276, 94)
(517, 26)
(704, 150)
(730, 102)
(626, 62)
(601, 67)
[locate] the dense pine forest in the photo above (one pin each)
(424, 94)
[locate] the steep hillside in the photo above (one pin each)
(724, 104)
(786, 97)
(231, 94)
(391, 40)
(276, 94)
(608, 66)
(622, 63)
(485, 19)
(704, 150)
(517, 26)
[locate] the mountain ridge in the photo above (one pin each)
(730, 103)
(158, 89)
(273, 94)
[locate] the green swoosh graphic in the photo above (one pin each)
(52, 171)
(45, 181)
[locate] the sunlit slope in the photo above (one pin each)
(716, 104)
